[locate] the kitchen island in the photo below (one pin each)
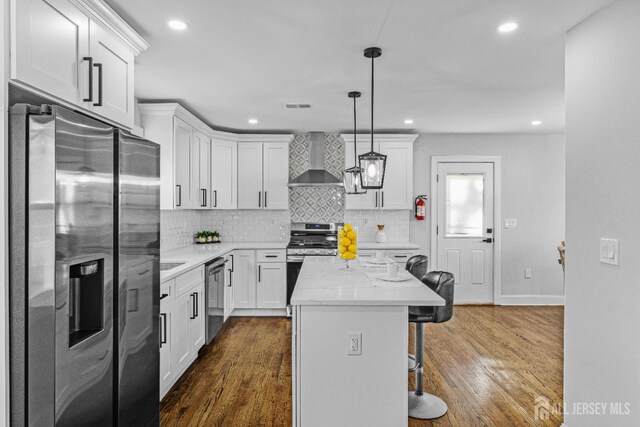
(349, 344)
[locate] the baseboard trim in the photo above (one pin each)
(531, 300)
(239, 312)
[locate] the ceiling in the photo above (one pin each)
(443, 65)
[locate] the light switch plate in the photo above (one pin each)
(610, 251)
(510, 223)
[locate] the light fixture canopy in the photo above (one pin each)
(352, 177)
(372, 164)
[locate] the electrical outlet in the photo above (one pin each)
(527, 273)
(354, 343)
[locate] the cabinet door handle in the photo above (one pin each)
(233, 263)
(376, 199)
(204, 197)
(259, 199)
(193, 307)
(163, 329)
(382, 196)
(215, 198)
(265, 199)
(163, 296)
(179, 195)
(259, 273)
(197, 304)
(90, 59)
(99, 67)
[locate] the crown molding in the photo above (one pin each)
(265, 137)
(99, 11)
(380, 137)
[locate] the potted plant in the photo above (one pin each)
(201, 237)
(215, 236)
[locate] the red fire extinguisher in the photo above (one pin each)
(421, 207)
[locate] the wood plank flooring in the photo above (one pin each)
(488, 363)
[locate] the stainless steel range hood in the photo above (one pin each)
(316, 176)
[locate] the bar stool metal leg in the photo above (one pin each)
(423, 405)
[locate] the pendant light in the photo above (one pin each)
(372, 164)
(352, 177)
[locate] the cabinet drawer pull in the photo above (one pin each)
(271, 256)
(90, 59)
(99, 67)
(163, 296)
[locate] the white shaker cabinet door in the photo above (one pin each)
(50, 38)
(397, 192)
(200, 174)
(180, 343)
(197, 318)
(276, 175)
(224, 174)
(112, 77)
(183, 135)
(166, 373)
(272, 285)
(244, 279)
(250, 176)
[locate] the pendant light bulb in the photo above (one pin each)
(373, 163)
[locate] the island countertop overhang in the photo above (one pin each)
(323, 281)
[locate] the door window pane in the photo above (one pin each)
(464, 205)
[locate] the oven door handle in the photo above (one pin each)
(293, 258)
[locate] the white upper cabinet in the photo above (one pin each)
(197, 164)
(112, 76)
(276, 175)
(183, 147)
(78, 52)
(250, 175)
(263, 171)
(201, 170)
(224, 174)
(397, 191)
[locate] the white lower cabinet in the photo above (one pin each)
(260, 279)
(182, 330)
(270, 292)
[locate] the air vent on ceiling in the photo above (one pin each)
(297, 106)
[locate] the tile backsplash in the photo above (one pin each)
(178, 227)
(396, 224)
(316, 204)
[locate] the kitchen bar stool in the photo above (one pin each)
(417, 265)
(424, 405)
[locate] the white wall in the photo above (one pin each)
(532, 192)
(602, 315)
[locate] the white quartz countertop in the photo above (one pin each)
(323, 281)
(196, 255)
(387, 245)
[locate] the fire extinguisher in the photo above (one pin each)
(421, 207)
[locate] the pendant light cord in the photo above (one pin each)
(372, 59)
(355, 150)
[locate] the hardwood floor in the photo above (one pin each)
(488, 363)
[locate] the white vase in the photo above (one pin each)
(381, 236)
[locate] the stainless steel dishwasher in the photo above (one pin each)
(214, 296)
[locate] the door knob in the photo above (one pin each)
(488, 240)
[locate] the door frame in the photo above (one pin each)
(497, 212)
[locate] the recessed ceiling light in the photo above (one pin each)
(507, 27)
(408, 122)
(253, 121)
(177, 25)
(536, 123)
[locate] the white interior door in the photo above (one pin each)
(465, 229)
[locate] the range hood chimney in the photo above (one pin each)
(316, 176)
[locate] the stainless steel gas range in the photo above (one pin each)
(308, 239)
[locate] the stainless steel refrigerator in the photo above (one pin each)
(84, 271)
